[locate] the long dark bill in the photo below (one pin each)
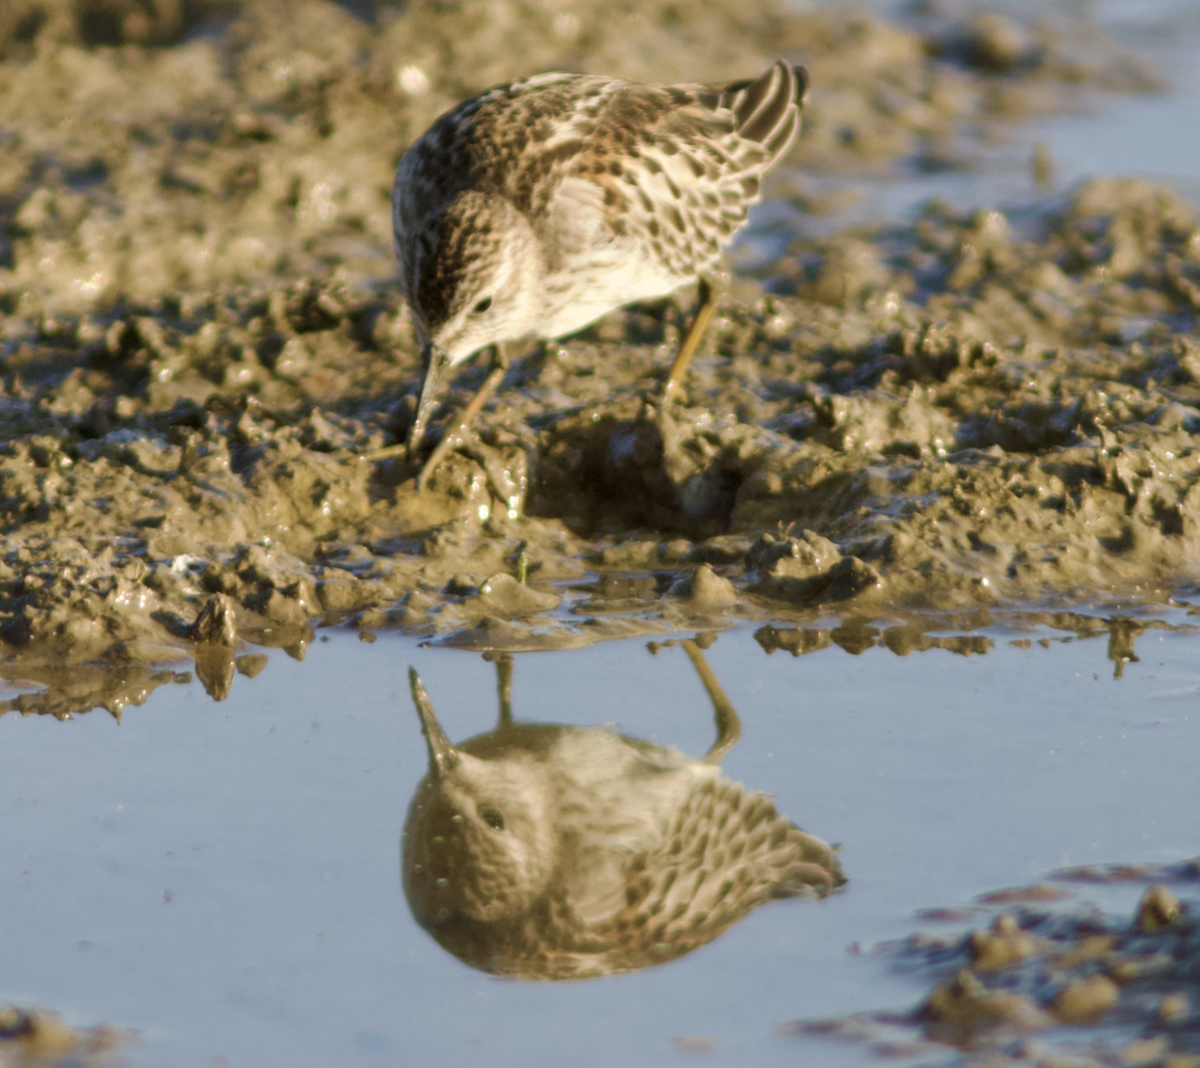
(435, 361)
(442, 755)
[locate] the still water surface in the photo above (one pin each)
(225, 877)
(1147, 136)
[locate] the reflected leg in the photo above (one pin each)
(729, 727)
(504, 674)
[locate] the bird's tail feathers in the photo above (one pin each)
(767, 109)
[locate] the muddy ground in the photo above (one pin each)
(203, 346)
(1037, 967)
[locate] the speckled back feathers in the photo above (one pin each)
(640, 186)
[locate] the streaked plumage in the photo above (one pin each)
(556, 852)
(536, 207)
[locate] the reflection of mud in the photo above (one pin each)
(554, 852)
(82, 688)
(200, 345)
(615, 611)
(1046, 966)
(1121, 635)
(857, 634)
(126, 679)
(33, 1038)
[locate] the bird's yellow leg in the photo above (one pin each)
(707, 295)
(729, 727)
(455, 429)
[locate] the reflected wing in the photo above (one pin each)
(728, 851)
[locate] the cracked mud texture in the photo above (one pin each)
(1044, 964)
(202, 345)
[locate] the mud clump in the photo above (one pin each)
(1048, 965)
(204, 359)
(34, 1038)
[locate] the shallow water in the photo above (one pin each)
(1136, 136)
(225, 877)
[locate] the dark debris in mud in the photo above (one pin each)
(1050, 980)
(202, 351)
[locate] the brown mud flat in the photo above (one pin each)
(1044, 965)
(203, 346)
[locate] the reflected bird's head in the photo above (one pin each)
(476, 842)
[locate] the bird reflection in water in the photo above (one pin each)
(556, 852)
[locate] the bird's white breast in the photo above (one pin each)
(588, 272)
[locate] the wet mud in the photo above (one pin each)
(1042, 964)
(35, 1038)
(204, 352)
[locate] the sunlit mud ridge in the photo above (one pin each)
(1050, 979)
(203, 349)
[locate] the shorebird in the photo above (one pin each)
(537, 207)
(556, 852)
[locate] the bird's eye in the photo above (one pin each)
(493, 817)
(482, 306)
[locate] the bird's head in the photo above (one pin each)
(479, 840)
(473, 279)
(477, 274)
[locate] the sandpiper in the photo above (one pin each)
(537, 207)
(557, 852)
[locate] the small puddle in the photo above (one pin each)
(1134, 135)
(225, 877)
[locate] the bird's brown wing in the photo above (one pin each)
(678, 166)
(518, 140)
(681, 165)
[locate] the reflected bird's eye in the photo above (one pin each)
(493, 818)
(482, 306)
